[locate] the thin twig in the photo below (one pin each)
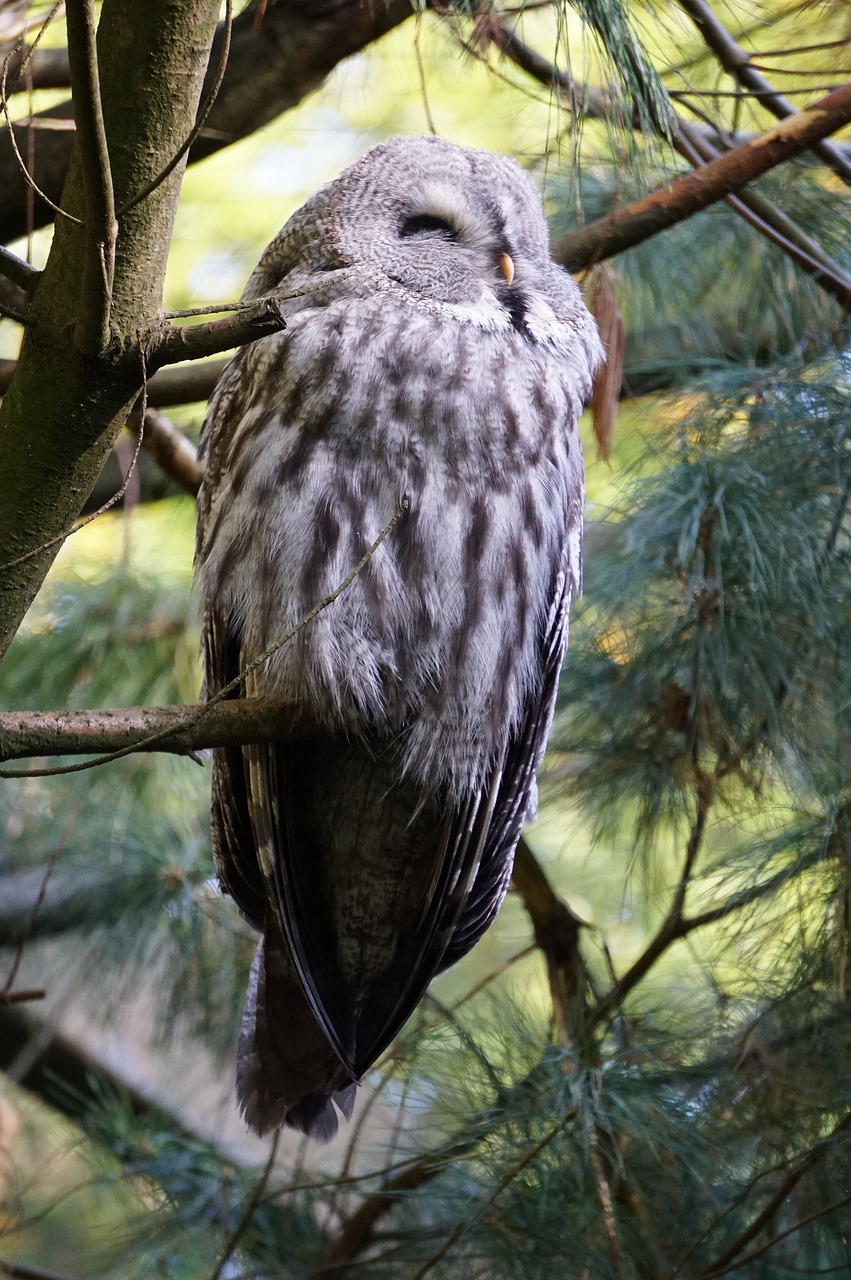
(256, 1197)
(787, 1186)
(26, 1271)
(13, 141)
(781, 1235)
(672, 926)
(463, 1227)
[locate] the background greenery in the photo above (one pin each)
(660, 1087)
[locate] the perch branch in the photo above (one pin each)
(193, 342)
(183, 728)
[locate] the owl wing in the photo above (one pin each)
(449, 867)
(516, 784)
(368, 893)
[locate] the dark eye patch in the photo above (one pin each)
(426, 223)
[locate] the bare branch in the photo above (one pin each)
(18, 271)
(177, 730)
(169, 448)
(188, 385)
(194, 342)
(673, 926)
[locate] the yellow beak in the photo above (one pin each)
(506, 266)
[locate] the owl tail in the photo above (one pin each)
(287, 1073)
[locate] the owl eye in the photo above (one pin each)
(426, 223)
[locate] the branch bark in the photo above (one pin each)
(695, 191)
(189, 728)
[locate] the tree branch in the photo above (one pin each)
(672, 927)
(723, 1262)
(168, 387)
(556, 931)
(64, 409)
(736, 63)
(188, 728)
(19, 272)
(271, 68)
(695, 191)
(698, 145)
(169, 448)
(195, 341)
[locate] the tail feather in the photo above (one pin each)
(282, 1053)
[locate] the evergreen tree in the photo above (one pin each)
(659, 1091)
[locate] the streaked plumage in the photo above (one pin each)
(375, 852)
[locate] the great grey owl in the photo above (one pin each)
(433, 353)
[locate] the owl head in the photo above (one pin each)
(450, 225)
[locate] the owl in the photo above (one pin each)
(436, 359)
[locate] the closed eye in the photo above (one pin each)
(417, 224)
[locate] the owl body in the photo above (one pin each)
(433, 354)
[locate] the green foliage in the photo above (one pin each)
(682, 1107)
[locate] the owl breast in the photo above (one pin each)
(467, 416)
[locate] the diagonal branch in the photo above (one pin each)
(255, 320)
(736, 63)
(698, 146)
(712, 182)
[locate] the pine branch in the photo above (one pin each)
(737, 63)
(724, 1262)
(695, 191)
(673, 927)
(556, 931)
(698, 145)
